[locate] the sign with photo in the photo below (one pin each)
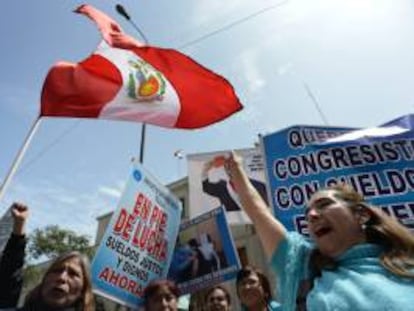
(204, 254)
(210, 186)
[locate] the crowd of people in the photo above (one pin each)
(357, 257)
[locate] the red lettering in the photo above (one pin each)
(154, 215)
(116, 279)
(163, 251)
(119, 224)
(113, 278)
(128, 227)
(151, 241)
(138, 204)
(131, 286)
(135, 239)
(158, 219)
(163, 221)
(146, 209)
(142, 207)
(104, 274)
(157, 245)
(144, 237)
(123, 282)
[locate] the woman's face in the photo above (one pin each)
(332, 224)
(217, 301)
(163, 300)
(62, 287)
(251, 291)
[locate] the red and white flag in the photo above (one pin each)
(127, 80)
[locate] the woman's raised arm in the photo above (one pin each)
(269, 229)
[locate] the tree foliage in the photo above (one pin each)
(32, 274)
(53, 241)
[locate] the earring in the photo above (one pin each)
(364, 226)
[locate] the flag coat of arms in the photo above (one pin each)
(127, 80)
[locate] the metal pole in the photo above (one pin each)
(121, 10)
(141, 149)
(19, 157)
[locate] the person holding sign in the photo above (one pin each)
(254, 290)
(358, 256)
(12, 259)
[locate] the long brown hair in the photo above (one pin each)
(382, 229)
(86, 301)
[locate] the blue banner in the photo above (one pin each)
(377, 162)
(139, 241)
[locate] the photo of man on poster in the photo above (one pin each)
(216, 183)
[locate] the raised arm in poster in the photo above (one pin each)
(139, 240)
(377, 162)
(204, 254)
(210, 186)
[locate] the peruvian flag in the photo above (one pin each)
(127, 80)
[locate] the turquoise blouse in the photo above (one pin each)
(359, 282)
